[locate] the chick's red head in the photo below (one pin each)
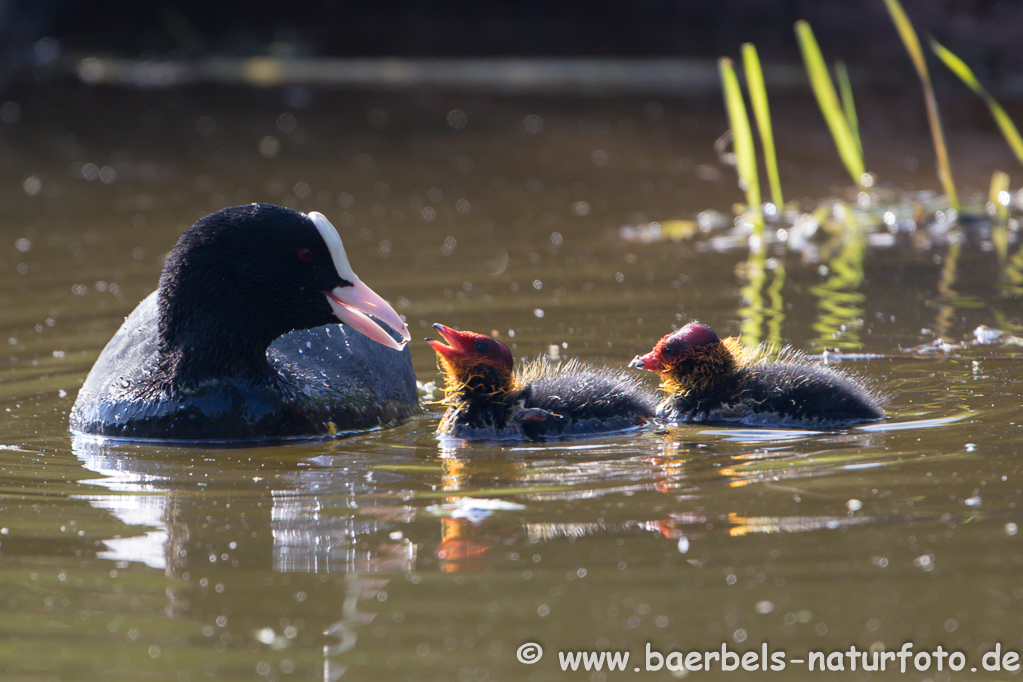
(473, 361)
(692, 353)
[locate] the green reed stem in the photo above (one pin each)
(1005, 124)
(762, 113)
(999, 185)
(848, 106)
(827, 99)
(916, 54)
(742, 140)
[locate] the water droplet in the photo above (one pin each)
(457, 119)
(533, 124)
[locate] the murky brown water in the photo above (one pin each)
(364, 558)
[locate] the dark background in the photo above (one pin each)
(988, 34)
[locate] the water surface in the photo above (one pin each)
(390, 555)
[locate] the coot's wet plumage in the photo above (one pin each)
(487, 400)
(712, 380)
(241, 342)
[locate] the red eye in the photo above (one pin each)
(305, 255)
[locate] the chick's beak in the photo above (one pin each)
(650, 362)
(353, 305)
(457, 342)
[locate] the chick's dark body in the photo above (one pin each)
(777, 394)
(566, 401)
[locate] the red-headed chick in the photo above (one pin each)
(710, 380)
(488, 400)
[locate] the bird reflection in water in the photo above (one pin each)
(203, 525)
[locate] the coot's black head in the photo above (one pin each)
(243, 276)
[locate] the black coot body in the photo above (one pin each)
(240, 342)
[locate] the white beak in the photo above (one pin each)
(352, 304)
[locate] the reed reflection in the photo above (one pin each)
(839, 298)
(763, 309)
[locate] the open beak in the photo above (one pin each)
(458, 343)
(353, 305)
(648, 362)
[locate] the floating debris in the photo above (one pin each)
(474, 509)
(987, 336)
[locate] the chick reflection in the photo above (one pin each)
(768, 456)
(689, 471)
(264, 552)
(683, 484)
(476, 519)
(467, 530)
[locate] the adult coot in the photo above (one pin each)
(487, 400)
(240, 342)
(710, 380)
